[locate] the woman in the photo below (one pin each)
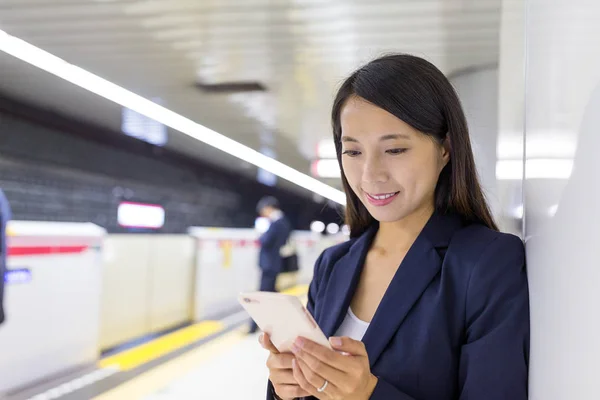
(427, 300)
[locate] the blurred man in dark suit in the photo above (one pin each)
(271, 242)
(4, 218)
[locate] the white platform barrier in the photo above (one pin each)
(148, 285)
(227, 264)
(166, 280)
(52, 300)
(310, 246)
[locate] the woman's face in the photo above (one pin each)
(390, 166)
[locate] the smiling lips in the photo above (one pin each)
(382, 199)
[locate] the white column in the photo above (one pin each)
(562, 198)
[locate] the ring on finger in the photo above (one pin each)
(322, 388)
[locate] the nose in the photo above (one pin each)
(374, 170)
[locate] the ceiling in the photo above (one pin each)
(300, 50)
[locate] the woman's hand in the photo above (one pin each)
(344, 372)
(281, 373)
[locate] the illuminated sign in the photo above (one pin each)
(140, 215)
(17, 276)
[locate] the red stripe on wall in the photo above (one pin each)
(43, 250)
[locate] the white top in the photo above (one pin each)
(352, 326)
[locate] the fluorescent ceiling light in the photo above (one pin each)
(317, 226)
(547, 144)
(261, 224)
(326, 149)
(509, 170)
(333, 228)
(548, 168)
(326, 169)
(540, 168)
(552, 210)
(517, 212)
(42, 59)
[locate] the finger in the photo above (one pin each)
(290, 391)
(317, 381)
(280, 361)
(282, 377)
(265, 341)
(303, 382)
(329, 357)
(316, 371)
(348, 345)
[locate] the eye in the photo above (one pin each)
(351, 153)
(396, 152)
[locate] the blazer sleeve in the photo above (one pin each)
(386, 391)
(495, 355)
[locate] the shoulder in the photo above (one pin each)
(481, 250)
(476, 239)
(282, 222)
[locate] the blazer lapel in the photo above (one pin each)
(343, 282)
(419, 267)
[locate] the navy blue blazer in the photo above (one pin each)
(270, 261)
(454, 322)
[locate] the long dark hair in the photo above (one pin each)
(418, 93)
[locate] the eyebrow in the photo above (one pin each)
(392, 136)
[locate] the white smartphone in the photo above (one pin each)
(283, 317)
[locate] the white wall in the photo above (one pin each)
(561, 110)
(563, 116)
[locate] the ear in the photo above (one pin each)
(446, 147)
